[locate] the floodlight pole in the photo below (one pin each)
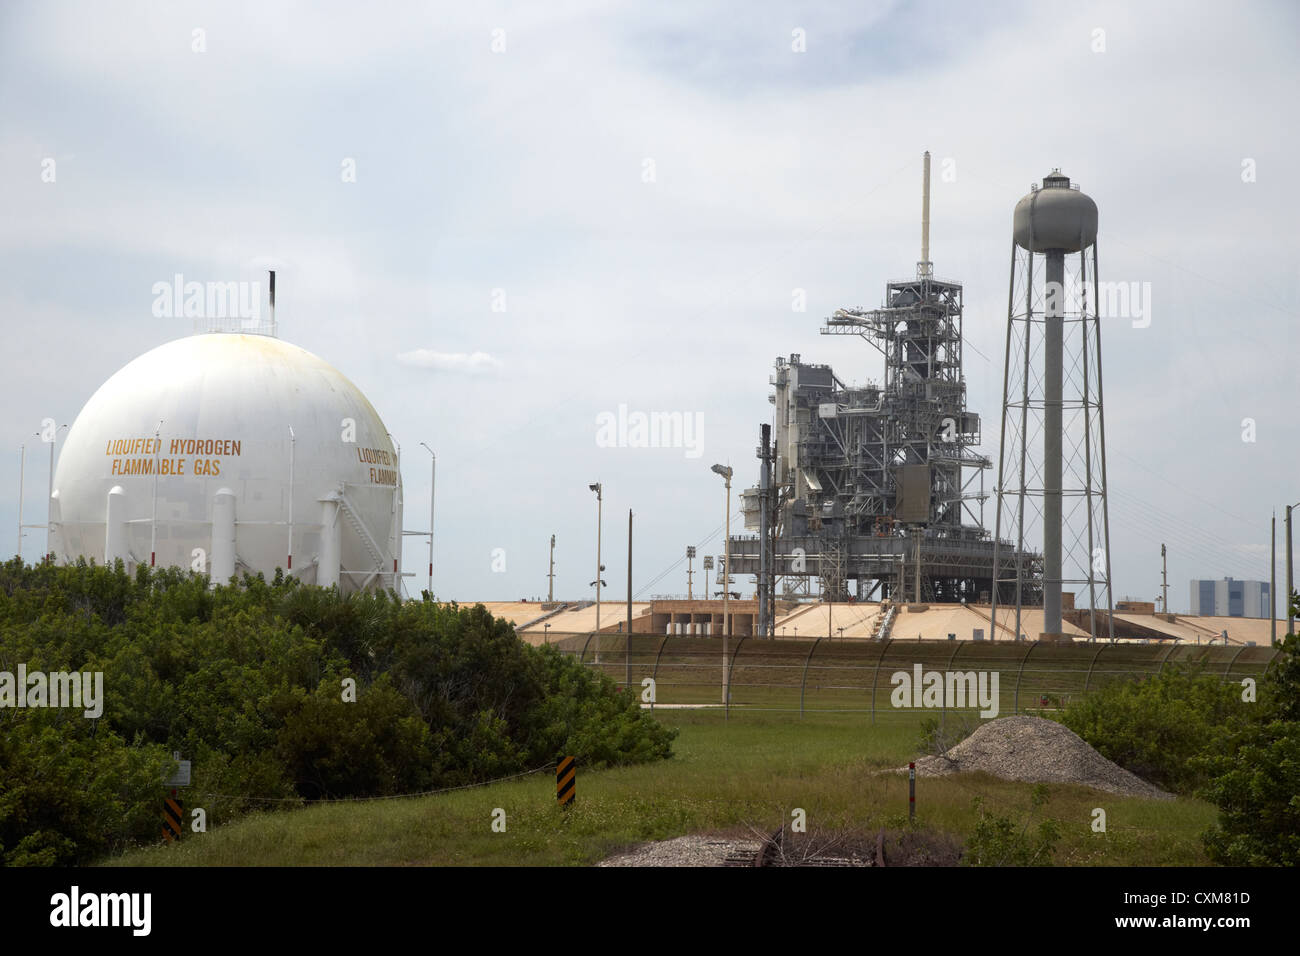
(1290, 615)
(627, 638)
(433, 473)
(599, 499)
(22, 470)
(1164, 580)
(153, 515)
(550, 577)
(49, 500)
(725, 472)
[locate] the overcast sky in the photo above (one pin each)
(502, 154)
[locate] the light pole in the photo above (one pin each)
(1290, 617)
(725, 472)
(550, 577)
(599, 567)
(1164, 580)
(49, 499)
(22, 471)
(627, 640)
(153, 514)
(433, 473)
(690, 558)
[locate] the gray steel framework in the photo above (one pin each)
(881, 484)
(1052, 466)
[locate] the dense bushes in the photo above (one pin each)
(1156, 725)
(249, 683)
(1255, 774)
(998, 840)
(1195, 734)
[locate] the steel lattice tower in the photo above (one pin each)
(1052, 458)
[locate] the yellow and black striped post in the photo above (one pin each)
(172, 815)
(566, 780)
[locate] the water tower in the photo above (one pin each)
(1052, 458)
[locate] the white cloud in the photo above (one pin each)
(473, 363)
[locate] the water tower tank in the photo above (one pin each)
(212, 484)
(1056, 216)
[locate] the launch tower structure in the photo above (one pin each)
(881, 484)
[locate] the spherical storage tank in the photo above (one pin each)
(210, 486)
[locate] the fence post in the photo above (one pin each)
(803, 684)
(1021, 673)
(1088, 680)
(943, 715)
(1228, 669)
(654, 674)
(1271, 661)
(876, 678)
(583, 652)
(730, 668)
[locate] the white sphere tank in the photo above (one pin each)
(213, 490)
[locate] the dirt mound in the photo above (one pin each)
(1037, 751)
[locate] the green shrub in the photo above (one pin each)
(1153, 727)
(1254, 774)
(1001, 841)
(246, 681)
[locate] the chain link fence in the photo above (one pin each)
(882, 679)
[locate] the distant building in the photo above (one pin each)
(1231, 598)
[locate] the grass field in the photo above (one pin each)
(737, 776)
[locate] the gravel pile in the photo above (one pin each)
(684, 851)
(1037, 751)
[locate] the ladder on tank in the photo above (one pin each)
(367, 541)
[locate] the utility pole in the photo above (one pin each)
(22, 469)
(725, 472)
(627, 640)
(599, 567)
(690, 558)
(1290, 618)
(550, 577)
(1272, 582)
(1164, 580)
(153, 515)
(433, 474)
(49, 500)
(764, 530)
